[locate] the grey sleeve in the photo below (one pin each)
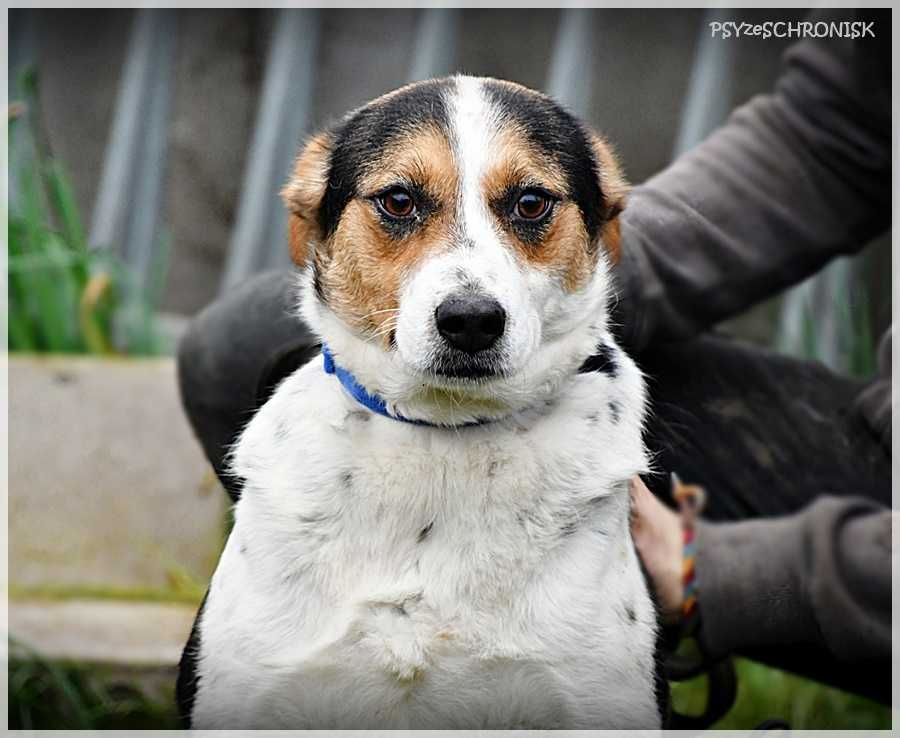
(819, 578)
(793, 179)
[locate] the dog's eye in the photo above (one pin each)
(397, 203)
(532, 205)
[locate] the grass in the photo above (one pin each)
(64, 295)
(51, 696)
(765, 693)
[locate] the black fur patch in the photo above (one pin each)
(604, 361)
(360, 137)
(186, 686)
(561, 136)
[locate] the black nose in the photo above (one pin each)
(470, 323)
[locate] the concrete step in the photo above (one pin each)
(109, 492)
(114, 633)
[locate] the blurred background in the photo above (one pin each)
(146, 151)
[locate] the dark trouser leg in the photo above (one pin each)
(234, 354)
(765, 435)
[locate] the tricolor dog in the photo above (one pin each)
(433, 530)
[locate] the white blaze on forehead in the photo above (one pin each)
(474, 124)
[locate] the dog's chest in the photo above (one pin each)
(405, 566)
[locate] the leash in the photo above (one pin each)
(690, 500)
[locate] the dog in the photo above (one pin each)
(433, 530)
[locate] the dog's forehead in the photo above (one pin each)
(360, 139)
(468, 112)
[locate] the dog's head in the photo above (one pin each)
(457, 235)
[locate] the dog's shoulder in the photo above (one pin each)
(295, 421)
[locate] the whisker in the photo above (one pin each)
(379, 312)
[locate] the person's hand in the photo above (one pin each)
(658, 538)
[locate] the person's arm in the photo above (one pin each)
(820, 578)
(793, 179)
(816, 583)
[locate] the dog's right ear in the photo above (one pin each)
(303, 196)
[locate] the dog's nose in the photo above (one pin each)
(471, 323)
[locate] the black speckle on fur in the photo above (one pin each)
(615, 411)
(556, 132)
(310, 519)
(630, 614)
(243, 548)
(604, 362)
(569, 528)
(282, 432)
(347, 479)
(359, 139)
(592, 418)
(423, 534)
(186, 685)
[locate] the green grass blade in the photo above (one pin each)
(62, 200)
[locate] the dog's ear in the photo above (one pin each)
(615, 192)
(303, 196)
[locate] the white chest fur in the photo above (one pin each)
(382, 574)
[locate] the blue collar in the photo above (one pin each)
(373, 402)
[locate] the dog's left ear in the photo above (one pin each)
(303, 196)
(615, 192)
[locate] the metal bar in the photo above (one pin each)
(22, 51)
(149, 164)
(434, 52)
(259, 237)
(809, 312)
(113, 198)
(571, 76)
(708, 97)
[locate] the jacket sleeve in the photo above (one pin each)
(793, 179)
(819, 578)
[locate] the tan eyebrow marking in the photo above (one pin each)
(515, 160)
(423, 156)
